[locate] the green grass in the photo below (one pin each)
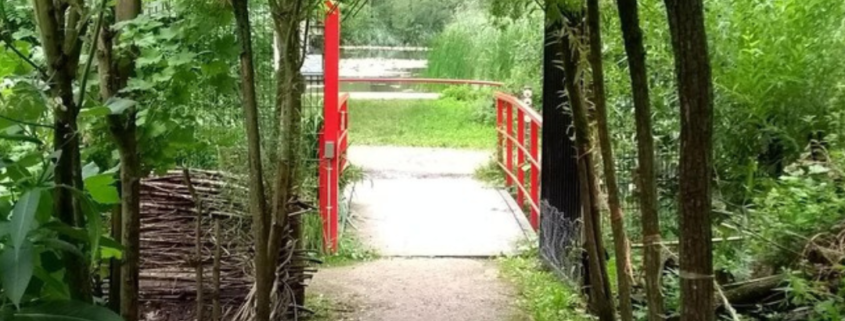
(541, 295)
(420, 123)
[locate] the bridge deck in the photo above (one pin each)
(425, 202)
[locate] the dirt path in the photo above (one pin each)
(438, 228)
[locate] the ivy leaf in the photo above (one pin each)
(119, 105)
(66, 311)
(16, 269)
(23, 217)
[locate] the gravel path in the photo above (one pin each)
(437, 228)
(418, 290)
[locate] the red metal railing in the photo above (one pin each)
(526, 153)
(333, 139)
(424, 81)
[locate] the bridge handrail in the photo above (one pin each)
(510, 141)
(442, 81)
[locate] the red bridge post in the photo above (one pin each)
(330, 145)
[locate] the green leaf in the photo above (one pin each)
(119, 105)
(45, 207)
(182, 58)
(16, 271)
(101, 187)
(104, 194)
(66, 311)
(23, 217)
(89, 170)
(63, 246)
(82, 235)
(53, 285)
(95, 111)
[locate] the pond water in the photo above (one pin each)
(380, 63)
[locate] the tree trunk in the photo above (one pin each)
(60, 29)
(286, 231)
(695, 93)
(600, 295)
(114, 73)
(257, 197)
(560, 203)
(620, 240)
(632, 35)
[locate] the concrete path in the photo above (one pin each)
(424, 202)
(436, 228)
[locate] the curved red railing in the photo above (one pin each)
(526, 153)
(424, 81)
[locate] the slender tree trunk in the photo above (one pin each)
(114, 73)
(695, 92)
(632, 35)
(620, 240)
(600, 296)
(287, 231)
(257, 202)
(61, 27)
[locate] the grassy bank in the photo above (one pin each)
(421, 123)
(540, 294)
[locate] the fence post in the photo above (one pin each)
(329, 167)
(509, 143)
(535, 174)
(520, 155)
(499, 119)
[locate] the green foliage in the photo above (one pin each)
(478, 47)
(808, 199)
(397, 22)
(65, 311)
(541, 295)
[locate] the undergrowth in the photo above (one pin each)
(541, 294)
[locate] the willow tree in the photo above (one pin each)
(617, 222)
(695, 93)
(61, 26)
(647, 186)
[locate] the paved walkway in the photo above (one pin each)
(436, 228)
(424, 202)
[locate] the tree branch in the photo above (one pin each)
(23, 122)
(91, 52)
(24, 57)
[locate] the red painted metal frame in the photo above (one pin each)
(334, 134)
(515, 175)
(425, 81)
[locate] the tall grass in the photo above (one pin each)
(476, 47)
